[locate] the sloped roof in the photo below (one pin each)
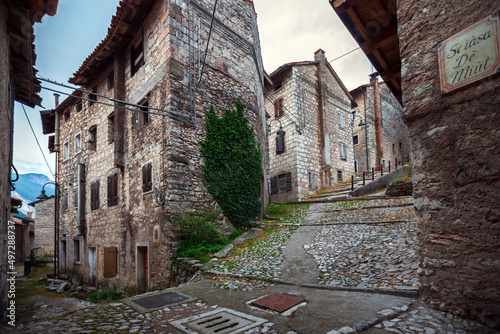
(373, 24)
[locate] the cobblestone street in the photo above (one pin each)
(342, 256)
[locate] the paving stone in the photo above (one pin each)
(346, 330)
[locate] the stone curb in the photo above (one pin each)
(363, 223)
(371, 207)
(409, 292)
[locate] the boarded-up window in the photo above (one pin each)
(75, 197)
(94, 195)
(281, 183)
(113, 190)
(312, 181)
(110, 262)
(278, 108)
(280, 144)
(65, 199)
(147, 181)
(343, 151)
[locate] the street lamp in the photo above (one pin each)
(280, 131)
(354, 116)
(43, 196)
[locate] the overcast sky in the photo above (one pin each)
(290, 30)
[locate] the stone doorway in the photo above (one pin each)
(142, 269)
(92, 266)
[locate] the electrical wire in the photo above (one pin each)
(208, 41)
(36, 138)
(345, 54)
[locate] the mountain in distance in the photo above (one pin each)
(29, 186)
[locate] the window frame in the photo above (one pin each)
(77, 241)
(113, 190)
(341, 121)
(275, 186)
(78, 143)
(137, 54)
(355, 142)
(93, 96)
(64, 200)
(92, 142)
(66, 150)
(343, 151)
(144, 112)
(95, 195)
(111, 128)
(279, 108)
(280, 144)
(107, 271)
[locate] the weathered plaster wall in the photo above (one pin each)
(456, 163)
(44, 227)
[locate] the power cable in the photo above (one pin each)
(36, 138)
(345, 54)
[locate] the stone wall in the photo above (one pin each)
(456, 156)
(396, 143)
(5, 138)
(315, 149)
(140, 220)
(44, 226)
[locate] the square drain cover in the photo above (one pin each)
(220, 321)
(278, 302)
(160, 300)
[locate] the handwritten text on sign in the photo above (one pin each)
(470, 55)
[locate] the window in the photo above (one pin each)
(136, 55)
(355, 140)
(341, 121)
(281, 183)
(384, 163)
(143, 114)
(343, 151)
(94, 195)
(66, 116)
(76, 251)
(147, 184)
(113, 190)
(78, 143)
(394, 147)
(111, 80)
(278, 86)
(79, 106)
(75, 197)
(110, 262)
(278, 108)
(356, 166)
(280, 144)
(339, 176)
(64, 199)
(66, 150)
(93, 96)
(312, 181)
(400, 146)
(92, 138)
(111, 128)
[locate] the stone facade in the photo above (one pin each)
(316, 113)
(371, 149)
(455, 143)
(44, 226)
(148, 165)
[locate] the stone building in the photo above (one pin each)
(313, 106)
(383, 140)
(428, 54)
(125, 168)
(44, 226)
(17, 59)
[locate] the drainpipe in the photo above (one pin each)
(366, 130)
(56, 199)
(379, 148)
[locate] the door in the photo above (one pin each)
(92, 267)
(63, 261)
(142, 269)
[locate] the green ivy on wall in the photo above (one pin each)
(232, 171)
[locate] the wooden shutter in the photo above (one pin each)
(97, 199)
(115, 189)
(288, 181)
(110, 190)
(147, 184)
(110, 263)
(274, 185)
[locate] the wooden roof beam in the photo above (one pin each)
(374, 43)
(342, 6)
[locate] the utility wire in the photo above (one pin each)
(34, 134)
(345, 54)
(208, 41)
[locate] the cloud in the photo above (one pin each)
(292, 30)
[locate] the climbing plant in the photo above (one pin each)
(232, 170)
